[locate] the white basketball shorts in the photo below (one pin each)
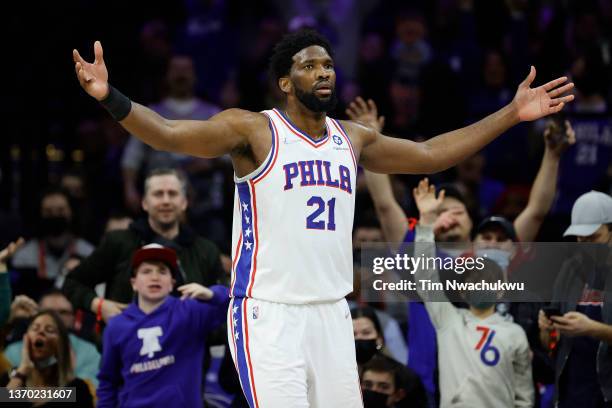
(294, 355)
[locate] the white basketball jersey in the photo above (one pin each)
(293, 218)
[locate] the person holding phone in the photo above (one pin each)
(583, 371)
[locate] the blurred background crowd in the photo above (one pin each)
(431, 66)
(69, 173)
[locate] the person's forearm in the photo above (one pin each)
(149, 127)
(541, 197)
(602, 332)
(390, 214)
(451, 148)
(80, 295)
(424, 247)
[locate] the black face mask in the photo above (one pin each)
(481, 299)
(53, 226)
(365, 350)
(373, 399)
(313, 103)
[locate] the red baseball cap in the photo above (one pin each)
(155, 252)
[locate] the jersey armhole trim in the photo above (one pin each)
(265, 167)
(348, 140)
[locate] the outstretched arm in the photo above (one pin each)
(384, 154)
(223, 133)
(529, 221)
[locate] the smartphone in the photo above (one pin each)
(551, 311)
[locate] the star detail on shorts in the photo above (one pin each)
(235, 310)
(247, 219)
(248, 232)
(248, 245)
(245, 206)
(237, 335)
(235, 321)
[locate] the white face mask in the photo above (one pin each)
(500, 256)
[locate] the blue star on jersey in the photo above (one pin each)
(246, 213)
(235, 321)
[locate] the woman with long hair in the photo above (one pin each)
(46, 361)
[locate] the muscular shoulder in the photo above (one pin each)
(360, 135)
(243, 121)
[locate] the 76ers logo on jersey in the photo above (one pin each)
(337, 140)
(489, 354)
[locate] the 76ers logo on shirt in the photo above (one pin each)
(337, 140)
(489, 354)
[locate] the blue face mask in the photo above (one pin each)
(499, 256)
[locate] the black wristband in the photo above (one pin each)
(117, 104)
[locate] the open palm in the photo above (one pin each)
(534, 103)
(424, 195)
(92, 77)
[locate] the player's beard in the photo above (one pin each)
(314, 103)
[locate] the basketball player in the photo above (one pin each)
(289, 326)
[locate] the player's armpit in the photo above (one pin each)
(230, 130)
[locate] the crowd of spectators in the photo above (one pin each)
(86, 195)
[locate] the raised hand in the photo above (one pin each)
(195, 291)
(26, 365)
(22, 308)
(445, 221)
(534, 103)
(558, 145)
(427, 202)
(366, 113)
(92, 77)
(7, 252)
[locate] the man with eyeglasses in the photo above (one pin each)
(86, 356)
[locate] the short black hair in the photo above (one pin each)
(383, 364)
(369, 313)
(292, 43)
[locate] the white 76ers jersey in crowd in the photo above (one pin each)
(293, 218)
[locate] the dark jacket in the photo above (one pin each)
(568, 290)
(110, 263)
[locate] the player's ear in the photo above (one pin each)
(284, 83)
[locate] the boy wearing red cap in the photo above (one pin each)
(152, 352)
